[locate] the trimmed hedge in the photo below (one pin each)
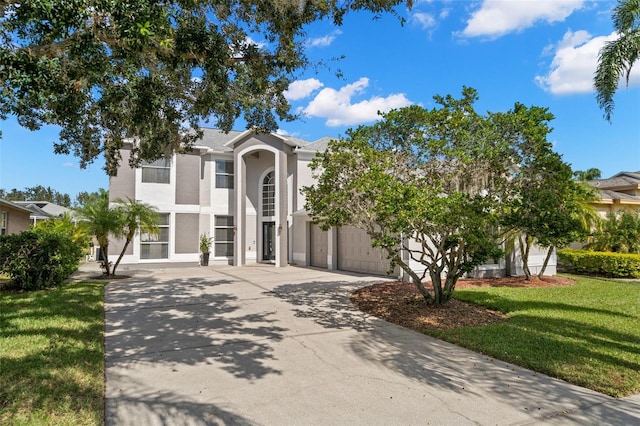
(619, 265)
(37, 259)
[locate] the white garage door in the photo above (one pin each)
(356, 254)
(319, 244)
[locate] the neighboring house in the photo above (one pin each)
(618, 193)
(243, 189)
(42, 210)
(14, 218)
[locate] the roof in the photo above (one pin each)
(319, 145)
(621, 180)
(14, 205)
(216, 139)
(37, 212)
(616, 187)
(221, 141)
(50, 209)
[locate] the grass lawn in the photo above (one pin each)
(587, 334)
(52, 356)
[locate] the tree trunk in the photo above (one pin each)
(126, 244)
(415, 279)
(524, 254)
(546, 262)
(105, 254)
(436, 283)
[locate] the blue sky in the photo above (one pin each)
(537, 52)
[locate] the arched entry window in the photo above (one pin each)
(268, 195)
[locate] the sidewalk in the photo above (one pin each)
(282, 346)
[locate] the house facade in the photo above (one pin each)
(43, 210)
(243, 190)
(14, 218)
(618, 193)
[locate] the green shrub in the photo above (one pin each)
(601, 263)
(38, 258)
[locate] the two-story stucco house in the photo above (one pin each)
(243, 189)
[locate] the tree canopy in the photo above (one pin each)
(434, 187)
(592, 173)
(109, 70)
(37, 193)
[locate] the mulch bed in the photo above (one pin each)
(400, 303)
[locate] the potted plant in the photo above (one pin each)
(205, 245)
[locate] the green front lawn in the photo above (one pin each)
(52, 356)
(587, 334)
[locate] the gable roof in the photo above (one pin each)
(44, 207)
(220, 141)
(216, 139)
(14, 205)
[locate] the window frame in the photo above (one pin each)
(4, 223)
(157, 166)
(157, 241)
(227, 243)
(223, 177)
(268, 191)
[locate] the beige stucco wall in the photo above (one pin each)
(188, 178)
(186, 233)
(206, 180)
(17, 219)
(123, 185)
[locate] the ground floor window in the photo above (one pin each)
(223, 236)
(156, 246)
(3, 223)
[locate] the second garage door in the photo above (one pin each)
(319, 245)
(356, 254)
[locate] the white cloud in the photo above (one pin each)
(300, 89)
(70, 164)
(323, 41)
(574, 64)
(425, 20)
(337, 107)
(496, 18)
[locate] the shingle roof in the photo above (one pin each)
(607, 194)
(622, 179)
(14, 205)
(216, 140)
(319, 145)
(51, 209)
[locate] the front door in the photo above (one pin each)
(268, 241)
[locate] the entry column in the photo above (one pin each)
(240, 200)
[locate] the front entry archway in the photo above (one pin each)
(270, 236)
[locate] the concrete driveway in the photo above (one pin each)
(265, 346)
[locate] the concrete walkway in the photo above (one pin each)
(265, 346)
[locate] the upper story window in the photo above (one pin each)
(268, 195)
(224, 174)
(158, 171)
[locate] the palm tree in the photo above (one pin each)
(135, 216)
(589, 174)
(101, 221)
(617, 57)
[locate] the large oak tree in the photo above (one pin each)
(107, 70)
